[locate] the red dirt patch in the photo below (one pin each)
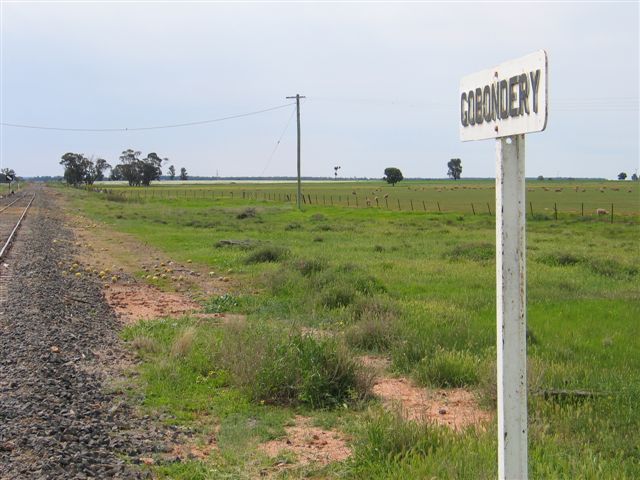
(310, 445)
(133, 302)
(455, 408)
(190, 452)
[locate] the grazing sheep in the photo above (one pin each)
(601, 211)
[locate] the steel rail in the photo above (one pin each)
(16, 200)
(15, 229)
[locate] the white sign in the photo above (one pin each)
(509, 99)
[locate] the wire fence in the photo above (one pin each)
(538, 211)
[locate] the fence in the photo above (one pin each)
(535, 212)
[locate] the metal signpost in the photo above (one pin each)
(504, 103)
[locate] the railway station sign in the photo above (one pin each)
(509, 99)
(505, 103)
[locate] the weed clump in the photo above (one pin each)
(478, 252)
(293, 226)
(318, 217)
(337, 296)
(560, 259)
(249, 212)
(267, 254)
(292, 369)
(311, 266)
(183, 343)
(448, 369)
(144, 345)
(373, 334)
(387, 435)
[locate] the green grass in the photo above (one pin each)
(418, 287)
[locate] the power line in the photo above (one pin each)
(286, 127)
(159, 127)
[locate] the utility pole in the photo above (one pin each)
(298, 97)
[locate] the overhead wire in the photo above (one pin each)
(275, 148)
(157, 127)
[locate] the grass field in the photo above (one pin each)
(416, 287)
(431, 196)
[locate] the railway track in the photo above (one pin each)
(11, 216)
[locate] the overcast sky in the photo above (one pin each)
(381, 81)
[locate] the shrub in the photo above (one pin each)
(267, 254)
(318, 217)
(448, 369)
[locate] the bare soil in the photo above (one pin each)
(309, 445)
(134, 302)
(455, 408)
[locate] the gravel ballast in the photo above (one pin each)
(59, 347)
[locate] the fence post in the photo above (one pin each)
(555, 210)
(386, 200)
(489, 208)
(531, 208)
(612, 213)
(309, 195)
(347, 200)
(439, 211)
(399, 207)
(424, 206)
(356, 200)
(582, 208)
(331, 197)
(473, 209)
(411, 201)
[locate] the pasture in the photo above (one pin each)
(323, 286)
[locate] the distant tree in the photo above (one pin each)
(78, 169)
(634, 177)
(139, 171)
(100, 166)
(392, 175)
(172, 172)
(116, 173)
(540, 177)
(622, 176)
(151, 168)
(455, 168)
(129, 167)
(183, 174)
(335, 171)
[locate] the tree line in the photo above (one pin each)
(133, 168)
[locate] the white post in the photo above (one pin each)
(511, 308)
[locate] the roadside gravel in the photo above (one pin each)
(58, 349)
